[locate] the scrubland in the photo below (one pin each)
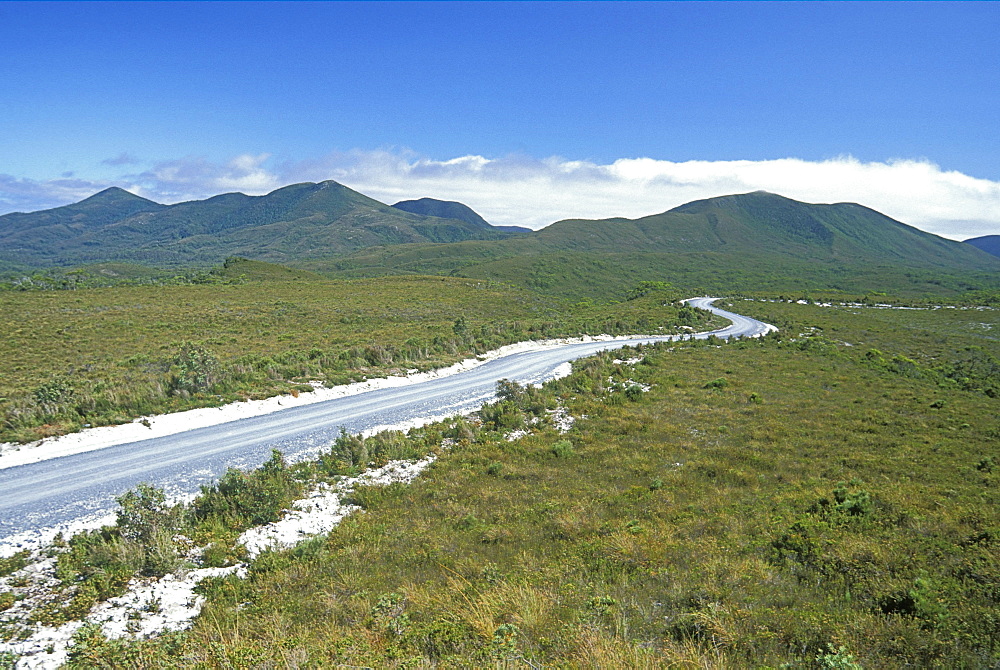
(825, 497)
(98, 356)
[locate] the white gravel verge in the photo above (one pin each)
(324, 509)
(91, 439)
(151, 607)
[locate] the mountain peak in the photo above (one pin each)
(443, 209)
(115, 195)
(735, 200)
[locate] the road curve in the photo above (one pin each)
(60, 491)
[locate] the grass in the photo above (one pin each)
(950, 346)
(765, 503)
(107, 355)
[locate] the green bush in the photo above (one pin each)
(144, 514)
(7, 600)
(195, 369)
(253, 498)
(837, 659)
(348, 449)
(633, 392)
(563, 449)
(503, 415)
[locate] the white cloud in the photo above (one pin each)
(532, 192)
(28, 195)
(525, 191)
(194, 177)
(123, 158)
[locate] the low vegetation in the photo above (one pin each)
(89, 357)
(786, 502)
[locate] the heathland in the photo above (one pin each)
(824, 497)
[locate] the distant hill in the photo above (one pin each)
(749, 241)
(988, 243)
(763, 222)
(290, 224)
(447, 209)
(444, 209)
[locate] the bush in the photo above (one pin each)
(349, 449)
(503, 415)
(247, 499)
(7, 600)
(837, 659)
(13, 563)
(633, 392)
(53, 392)
(195, 369)
(856, 503)
(143, 513)
(563, 449)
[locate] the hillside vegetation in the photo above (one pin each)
(791, 502)
(290, 224)
(988, 243)
(752, 242)
(107, 355)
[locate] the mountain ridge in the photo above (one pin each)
(743, 242)
(449, 209)
(988, 243)
(299, 219)
(725, 241)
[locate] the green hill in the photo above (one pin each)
(988, 243)
(444, 209)
(748, 242)
(290, 224)
(447, 209)
(754, 241)
(766, 223)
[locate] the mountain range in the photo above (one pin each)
(759, 238)
(748, 241)
(290, 224)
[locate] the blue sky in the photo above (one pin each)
(533, 111)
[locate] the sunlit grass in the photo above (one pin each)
(106, 355)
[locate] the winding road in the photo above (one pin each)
(58, 492)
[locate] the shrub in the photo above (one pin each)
(349, 449)
(503, 415)
(53, 392)
(563, 449)
(143, 513)
(510, 391)
(837, 659)
(13, 563)
(7, 601)
(856, 503)
(195, 369)
(250, 498)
